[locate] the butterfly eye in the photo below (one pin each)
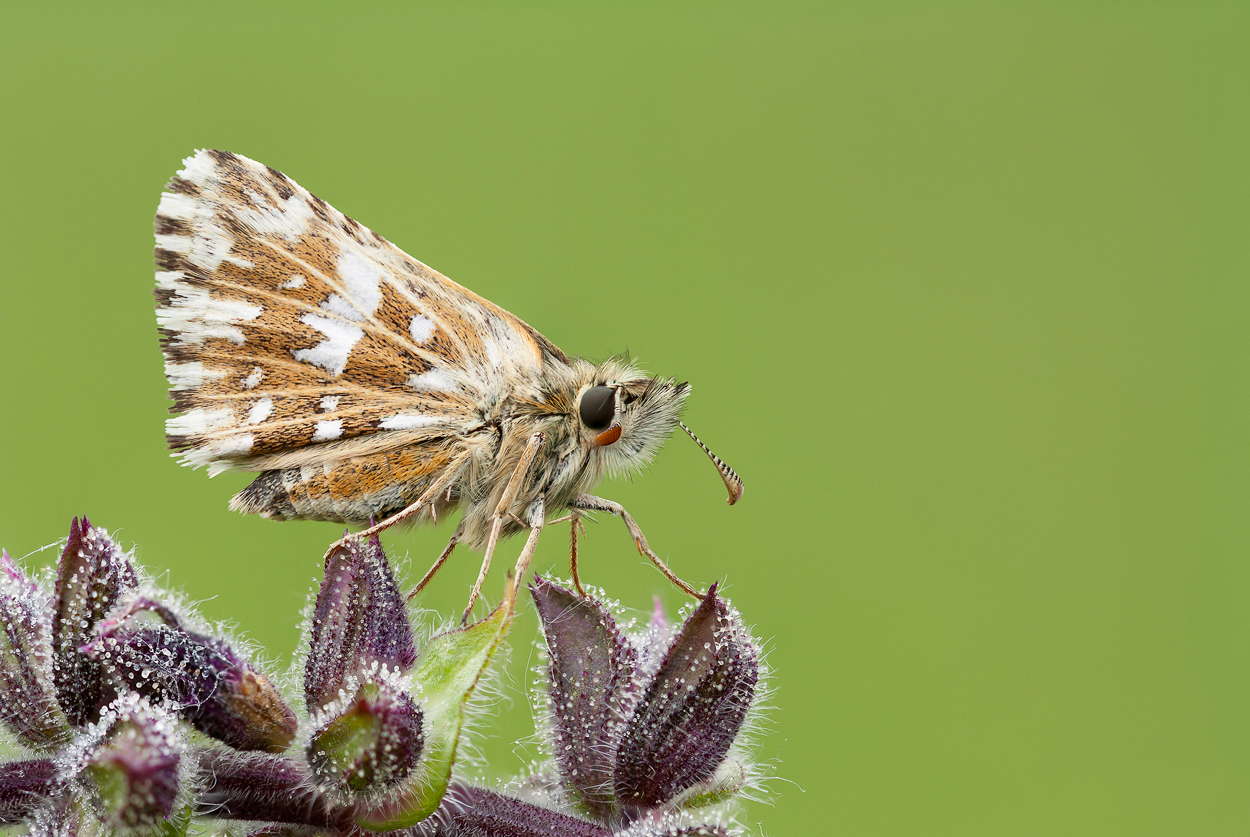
(598, 407)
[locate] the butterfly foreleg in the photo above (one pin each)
(587, 502)
(502, 511)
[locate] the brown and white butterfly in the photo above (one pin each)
(365, 386)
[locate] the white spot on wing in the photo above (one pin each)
(330, 354)
(198, 168)
(295, 281)
(243, 263)
(206, 246)
(253, 378)
(234, 445)
(362, 279)
(196, 315)
(213, 454)
(261, 410)
(340, 307)
(290, 220)
(174, 243)
(327, 430)
(209, 247)
(329, 403)
(173, 205)
(407, 421)
(421, 328)
(199, 420)
(436, 380)
(191, 374)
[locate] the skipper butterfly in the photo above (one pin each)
(364, 386)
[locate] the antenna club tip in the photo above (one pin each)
(732, 481)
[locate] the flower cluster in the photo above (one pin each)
(135, 718)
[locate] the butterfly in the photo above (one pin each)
(364, 386)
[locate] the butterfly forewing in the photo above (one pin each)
(289, 327)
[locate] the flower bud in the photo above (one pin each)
(24, 785)
(28, 704)
(371, 745)
(134, 773)
(692, 709)
(212, 686)
(591, 689)
(360, 621)
(93, 575)
(632, 736)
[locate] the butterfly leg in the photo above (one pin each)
(502, 512)
(574, 526)
(587, 502)
(451, 545)
(537, 511)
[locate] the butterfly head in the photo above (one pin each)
(624, 417)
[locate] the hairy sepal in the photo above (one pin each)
(445, 675)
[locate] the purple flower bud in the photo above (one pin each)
(360, 620)
(632, 736)
(591, 688)
(28, 704)
(214, 689)
(692, 709)
(94, 574)
(372, 744)
(24, 785)
(134, 773)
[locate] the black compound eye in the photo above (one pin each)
(598, 407)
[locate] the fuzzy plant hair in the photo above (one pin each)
(129, 715)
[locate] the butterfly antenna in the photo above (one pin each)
(732, 481)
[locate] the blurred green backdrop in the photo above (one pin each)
(962, 289)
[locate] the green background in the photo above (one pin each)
(962, 289)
